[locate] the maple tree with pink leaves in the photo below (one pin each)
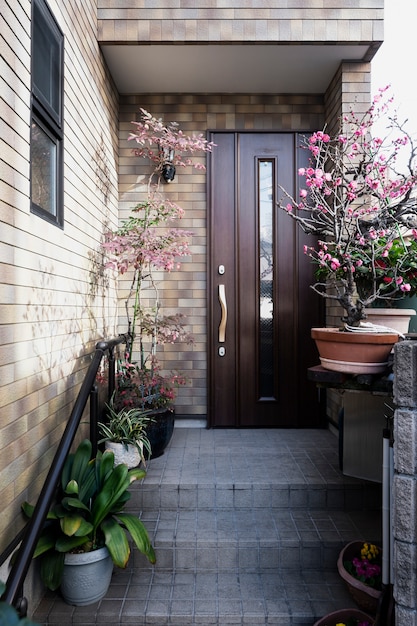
(148, 243)
(362, 209)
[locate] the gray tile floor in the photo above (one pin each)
(247, 525)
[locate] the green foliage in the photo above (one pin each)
(127, 426)
(88, 514)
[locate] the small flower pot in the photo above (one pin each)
(129, 456)
(342, 615)
(366, 597)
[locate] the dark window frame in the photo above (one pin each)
(48, 114)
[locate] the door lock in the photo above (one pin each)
(222, 351)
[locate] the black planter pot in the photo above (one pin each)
(160, 430)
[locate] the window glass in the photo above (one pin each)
(44, 160)
(46, 167)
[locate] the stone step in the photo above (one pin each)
(350, 495)
(253, 539)
(247, 527)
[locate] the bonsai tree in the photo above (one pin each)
(88, 514)
(145, 244)
(362, 209)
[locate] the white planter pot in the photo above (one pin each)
(129, 457)
(397, 319)
(86, 577)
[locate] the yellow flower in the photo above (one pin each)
(340, 624)
(369, 551)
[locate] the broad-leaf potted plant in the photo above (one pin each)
(362, 211)
(87, 526)
(146, 245)
(124, 433)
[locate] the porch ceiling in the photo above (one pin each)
(216, 68)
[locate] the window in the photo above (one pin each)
(46, 138)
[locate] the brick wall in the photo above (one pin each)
(54, 304)
(214, 20)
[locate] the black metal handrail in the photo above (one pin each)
(14, 585)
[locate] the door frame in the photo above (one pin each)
(228, 183)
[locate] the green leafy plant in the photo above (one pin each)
(88, 514)
(127, 426)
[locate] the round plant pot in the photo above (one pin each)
(129, 456)
(366, 597)
(86, 577)
(353, 353)
(397, 319)
(159, 431)
(341, 616)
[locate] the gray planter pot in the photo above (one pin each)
(86, 577)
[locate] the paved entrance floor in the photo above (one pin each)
(247, 526)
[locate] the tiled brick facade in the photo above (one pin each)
(55, 300)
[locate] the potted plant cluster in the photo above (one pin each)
(124, 433)
(87, 527)
(362, 210)
(148, 245)
(360, 566)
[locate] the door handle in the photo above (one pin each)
(223, 321)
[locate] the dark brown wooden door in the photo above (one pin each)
(260, 306)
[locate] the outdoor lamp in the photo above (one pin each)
(168, 169)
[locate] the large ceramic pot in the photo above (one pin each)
(341, 616)
(86, 576)
(397, 319)
(353, 353)
(128, 455)
(366, 597)
(159, 431)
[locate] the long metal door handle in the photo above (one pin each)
(223, 321)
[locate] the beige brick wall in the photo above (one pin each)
(237, 20)
(50, 313)
(186, 290)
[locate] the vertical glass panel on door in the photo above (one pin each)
(266, 203)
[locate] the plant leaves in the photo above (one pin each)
(116, 542)
(51, 569)
(139, 534)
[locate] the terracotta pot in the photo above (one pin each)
(342, 615)
(353, 353)
(366, 597)
(397, 319)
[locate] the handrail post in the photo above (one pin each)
(93, 418)
(14, 585)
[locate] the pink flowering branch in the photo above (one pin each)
(148, 242)
(361, 209)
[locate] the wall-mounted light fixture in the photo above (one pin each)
(168, 169)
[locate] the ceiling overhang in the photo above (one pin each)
(229, 68)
